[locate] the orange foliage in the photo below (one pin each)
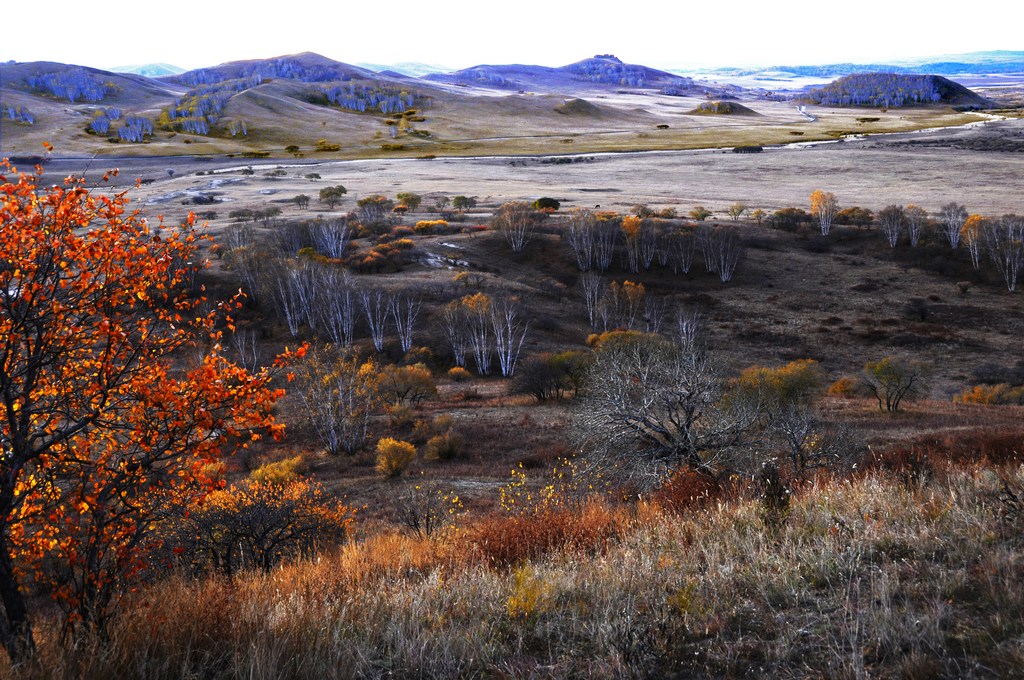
(992, 395)
(102, 430)
(688, 489)
(631, 226)
(501, 541)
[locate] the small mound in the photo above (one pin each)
(723, 109)
(577, 107)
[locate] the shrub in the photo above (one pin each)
(992, 395)
(700, 213)
(408, 384)
(279, 472)
(687, 490)
(844, 387)
(400, 416)
(393, 456)
(324, 146)
(430, 226)
(458, 374)
(443, 446)
(501, 541)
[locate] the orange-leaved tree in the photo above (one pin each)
(825, 208)
(103, 428)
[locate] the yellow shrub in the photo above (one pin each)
(443, 446)
(844, 387)
(430, 226)
(280, 472)
(393, 456)
(530, 594)
(458, 374)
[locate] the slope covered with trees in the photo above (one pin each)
(891, 90)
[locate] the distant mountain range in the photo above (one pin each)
(1000, 61)
(600, 70)
(414, 69)
(149, 70)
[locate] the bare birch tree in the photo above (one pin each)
(376, 304)
(509, 329)
(606, 237)
(332, 237)
(953, 216)
(892, 219)
(917, 220)
(592, 285)
(455, 327)
(722, 249)
(405, 309)
(580, 234)
(1004, 241)
(516, 221)
(338, 305)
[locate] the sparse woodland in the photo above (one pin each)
(440, 438)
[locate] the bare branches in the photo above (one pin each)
(405, 309)
(953, 216)
(516, 220)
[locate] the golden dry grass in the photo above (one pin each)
(866, 578)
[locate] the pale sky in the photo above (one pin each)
(458, 33)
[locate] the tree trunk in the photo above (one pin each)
(15, 628)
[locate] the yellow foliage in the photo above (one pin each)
(280, 472)
(530, 594)
(844, 387)
(393, 456)
(430, 226)
(631, 226)
(458, 374)
(477, 303)
(795, 382)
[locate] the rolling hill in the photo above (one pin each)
(306, 104)
(895, 90)
(600, 71)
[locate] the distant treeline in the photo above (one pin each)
(74, 84)
(373, 97)
(610, 73)
(679, 87)
(276, 68)
(482, 76)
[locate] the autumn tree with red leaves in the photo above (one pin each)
(103, 428)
